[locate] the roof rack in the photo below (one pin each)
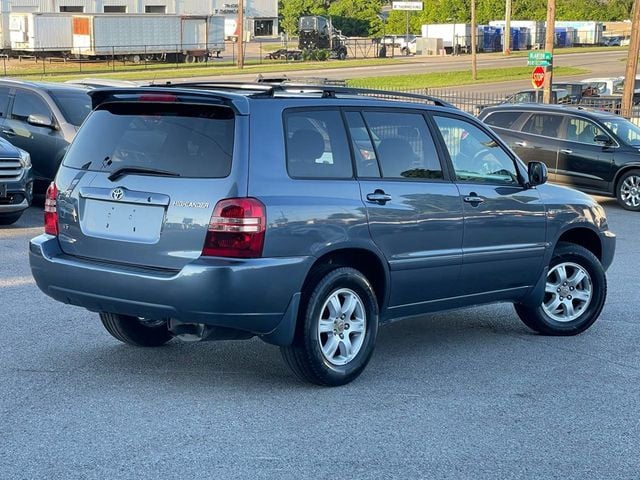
(264, 89)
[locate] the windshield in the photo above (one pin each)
(625, 131)
(173, 138)
(74, 105)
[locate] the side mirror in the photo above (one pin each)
(40, 121)
(538, 173)
(603, 139)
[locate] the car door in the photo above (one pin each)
(584, 163)
(504, 221)
(42, 142)
(539, 140)
(414, 210)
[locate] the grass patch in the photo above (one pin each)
(562, 51)
(58, 73)
(454, 78)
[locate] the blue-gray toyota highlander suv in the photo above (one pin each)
(307, 216)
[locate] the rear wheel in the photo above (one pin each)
(337, 331)
(628, 190)
(575, 292)
(139, 332)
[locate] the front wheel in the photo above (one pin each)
(139, 332)
(575, 292)
(628, 190)
(337, 331)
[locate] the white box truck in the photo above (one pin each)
(40, 33)
(147, 36)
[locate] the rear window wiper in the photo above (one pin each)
(120, 172)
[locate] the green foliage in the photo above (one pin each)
(356, 18)
(292, 10)
(316, 55)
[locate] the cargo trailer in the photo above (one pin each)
(138, 37)
(40, 33)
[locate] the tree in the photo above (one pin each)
(356, 18)
(292, 10)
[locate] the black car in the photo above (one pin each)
(42, 118)
(591, 150)
(16, 182)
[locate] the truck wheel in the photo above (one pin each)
(342, 55)
(136, 331)
(337, 329)
(628, 190)
(10, 218)
(575, 291)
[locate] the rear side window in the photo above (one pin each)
(543, 124)
(4, 101)
(502, 119)
(404, 145)
(186, 140)
(317, 145)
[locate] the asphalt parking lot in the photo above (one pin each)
(464, 394)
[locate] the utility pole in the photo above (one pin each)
(632, 63)
(550, 36)
(474, 39)
(240, 34)
(507, 28)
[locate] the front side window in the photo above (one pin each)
(543, 124)
(476, 157)
(316, 144)
(29, 103)
(625, 131)
(74, 105)
(404, 145)
(583, 131)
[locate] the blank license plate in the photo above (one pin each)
(122, 221)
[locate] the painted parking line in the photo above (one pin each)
(16, 281)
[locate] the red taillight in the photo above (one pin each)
(51, 210)
(236, 229)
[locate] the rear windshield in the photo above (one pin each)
(188, 140)
(74, 105)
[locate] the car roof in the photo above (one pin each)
(239, 95)
(564, 109)
(49, 86)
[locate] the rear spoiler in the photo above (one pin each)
(238, 103)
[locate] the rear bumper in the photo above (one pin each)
(259, 296)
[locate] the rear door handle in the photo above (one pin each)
(378, 197)
(566, 151)
(473, 200)
(520, 144)
(10, 133)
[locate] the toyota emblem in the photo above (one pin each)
(117, 193)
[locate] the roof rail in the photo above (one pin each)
(264, 89)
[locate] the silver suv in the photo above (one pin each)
(307, 216)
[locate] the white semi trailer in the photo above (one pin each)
(147, 36)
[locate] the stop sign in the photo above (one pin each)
(537, 77)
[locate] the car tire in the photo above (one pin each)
(136, 331)
(575, 292)
(628, 190)
(340, 305)
(10, 218)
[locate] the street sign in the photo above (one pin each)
(537, 77)
(413, 6)
(539, 59)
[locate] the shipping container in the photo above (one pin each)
(586, 33)
(40, 32)
(535, 38)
